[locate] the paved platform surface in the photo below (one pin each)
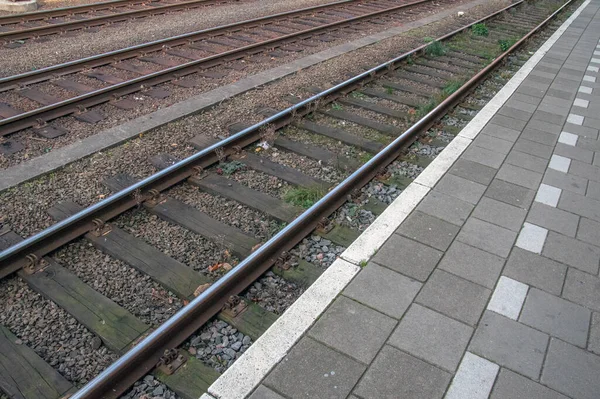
(490, 287)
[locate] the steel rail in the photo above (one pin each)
(180, 326)
(66, 107)
(39, 75)
(20, 34)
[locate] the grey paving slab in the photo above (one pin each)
(510, 344)
(463, 189)
(572, 152)
(556, 317)
(589, 231)
(593, 190)
(572, 371)
(581, 131)
(507, 121)
(408, 257)
(428, 230)
(298, 375)
(432, 336)
(500, 213)
(526, 98)
(262, 392)
(572, 252)
(353, 329)
(553, 219)
(533, 148)
(539, 136)
(511, 385)
(536, 270)
(483, 156)
(473, 171)
(587, 171)
(543, 126)
(472, 264)
(582, 288)
(454, 296)
(594, 341)
(489, 237)
(383, 290)
(395, 374)
(565, 181)
(504, 133)
(520, 176)
(493, 143)
(445, 207)
(527, 161)
(510, 193)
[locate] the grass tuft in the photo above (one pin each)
(480, 30)
(436, 49)
(304, 196)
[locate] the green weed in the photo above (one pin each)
(304, 196)
(436, 49)
(336, 106)
(480, 30)
(505, 44)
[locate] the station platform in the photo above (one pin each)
(479, 281)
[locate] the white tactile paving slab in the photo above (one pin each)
(592, 68)
(580, 102)
(247, 372)
(568, 138)
(588, 78)
(585, 90)
(548, 195)
(508, 297)
(474, 379)
(575, 119)
(560, 163)
(532, 238)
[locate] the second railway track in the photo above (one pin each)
(372, 118)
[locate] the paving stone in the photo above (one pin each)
(533, 148)
(525, 98)
(445, 207)
(511, 385)
(428, 230)
(508, 297)
(580, 205)
(515, 113)
(585, 170)
(483, 156)
(565, 181)
(553, 219)
(500, 213)
(508, 135)
(432, 336)
(472, 264)
(575, 153)
(353, 329)
(536, 270)
(473, 171)
(510, 344)
(557, 317)
(486, 236)
(527, 161)
(593, 190)
(572, 252)
(543, 126)
(548, 195)
(474, 379)
(594, 342)
(581, 131)
(572, 371)
(383, 290)
(463, 189)
(395, 374)
(567, 138)
(299, 375)
(539, 136)
(559, 163)
(510, 193)
(511, 123)
(493, 143)
(453, 296)
(262, 392)
(519, 176)
(582, 288)
(589, 231)
(408, 257)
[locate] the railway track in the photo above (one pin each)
(371, 119)
(15, 29)
(28, 100)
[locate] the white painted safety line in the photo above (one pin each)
(560, 163)
(532, 238)
(575, 119)
(247, 372)
(580, 102)
(548, 195)
(568, 138)
(474, 378)
(508, 298)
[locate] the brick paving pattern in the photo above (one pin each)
(491, 287)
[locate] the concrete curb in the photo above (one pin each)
(18, 6)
